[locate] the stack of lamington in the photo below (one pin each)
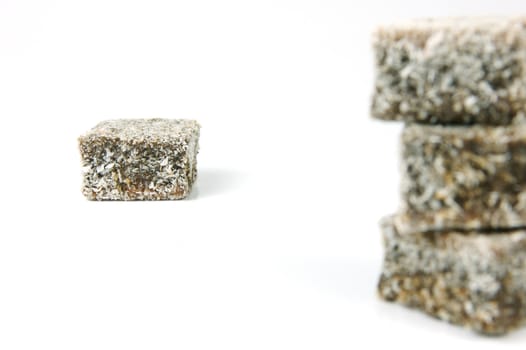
(457, 247)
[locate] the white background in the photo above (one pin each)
(278, 246)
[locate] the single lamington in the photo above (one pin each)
(466, 278)
(451, 71)
(139, 159)
(462, 178)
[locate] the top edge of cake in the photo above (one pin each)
(508, 240)
(424, 26)
(486, 132)
(148, 128)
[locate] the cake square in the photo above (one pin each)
(139, 159)
(451, 71)
(462, 177)
(466, 278)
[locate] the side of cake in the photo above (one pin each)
(467, 278)
(463, 177)
(455, 71)
(139, 159)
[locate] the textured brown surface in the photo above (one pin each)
(139, 159)
(464, 177)
(470, 279)
(454, 71)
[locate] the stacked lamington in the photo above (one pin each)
(457, 247)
